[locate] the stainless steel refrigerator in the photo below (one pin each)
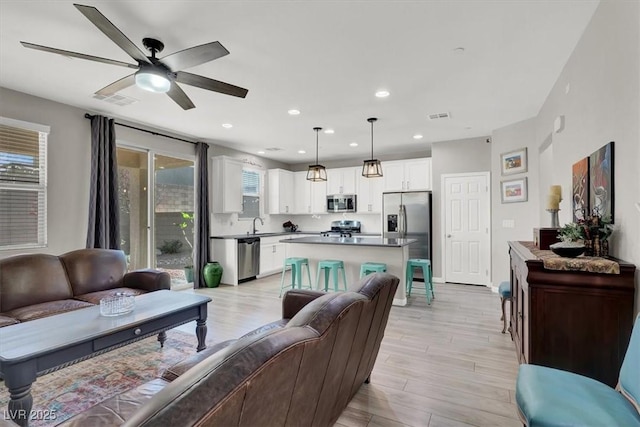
(407, 215)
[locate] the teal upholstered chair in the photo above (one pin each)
(504, 290)
(551, 397)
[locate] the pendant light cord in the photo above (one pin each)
(372, 140)
(317, 129)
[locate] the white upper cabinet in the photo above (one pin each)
(341, 181)
(281, 191)
(310, 197)
(226, 185)
(370, 194)
(406, 175)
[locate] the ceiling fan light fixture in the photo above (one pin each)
(317, 172)
(152, 80)
(372, 168)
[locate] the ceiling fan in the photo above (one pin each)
(154, 74)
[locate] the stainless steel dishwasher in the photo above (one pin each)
(248, 258)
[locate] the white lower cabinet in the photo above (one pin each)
(272, 254)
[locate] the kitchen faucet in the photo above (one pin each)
(254, 224)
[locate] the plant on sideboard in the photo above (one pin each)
(593, 231)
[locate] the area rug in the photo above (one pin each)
(68, 391)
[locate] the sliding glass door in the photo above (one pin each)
(156, 212)
(173, 217)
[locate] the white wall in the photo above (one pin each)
(598, 93)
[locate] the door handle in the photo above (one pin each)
(449, 236)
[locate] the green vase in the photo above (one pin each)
(212, 273)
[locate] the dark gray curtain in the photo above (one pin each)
(201, 247)
(104, 221)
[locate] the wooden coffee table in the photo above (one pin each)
(37, 347)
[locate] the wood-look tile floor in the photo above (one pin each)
(446, 364)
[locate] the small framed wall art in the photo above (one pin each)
(513, 162)
(514, 190)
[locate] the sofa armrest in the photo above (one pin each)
(147, 279)
(295, 300)
(181, 367)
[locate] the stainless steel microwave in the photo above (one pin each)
(341, 203)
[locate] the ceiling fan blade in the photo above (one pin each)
(181, 98)
(111, 31)
(193, 56)
(210, 84)
(118, 85)
(77, 55)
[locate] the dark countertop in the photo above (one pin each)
(356, 241)
(266, 234)
(282, 233)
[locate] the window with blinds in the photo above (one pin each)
(250, 194)
(23, 184)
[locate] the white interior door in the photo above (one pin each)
(466, 213)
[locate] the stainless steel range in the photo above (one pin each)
(343, 228)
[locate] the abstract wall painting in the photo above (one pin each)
(580, 194)
(601, 190)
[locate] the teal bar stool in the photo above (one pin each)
(296, 264)
(372, 267)
(425, 264)
(331, 266)
(505, 295)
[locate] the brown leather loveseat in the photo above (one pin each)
(301, 370)
(40, 285)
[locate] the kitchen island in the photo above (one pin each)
(354, 251)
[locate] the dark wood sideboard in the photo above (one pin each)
(571, 320)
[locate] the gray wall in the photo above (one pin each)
(598, 93)
(524, 215)
(465, 155)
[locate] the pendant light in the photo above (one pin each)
(317, 172)
(372, 168)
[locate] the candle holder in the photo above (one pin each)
(554, 218)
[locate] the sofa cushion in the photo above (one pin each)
(118, 409)
(629, 381)
(37, 311)
(95, 297)
(6, 321)
(181, 367)
(92, 270)
(552, 397)
(32, 279)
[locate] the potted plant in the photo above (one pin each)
(572, 241)
(187, 220)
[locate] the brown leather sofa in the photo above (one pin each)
(301, 370)
(40, 285)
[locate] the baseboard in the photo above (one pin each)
(438, 280)
(399, 301)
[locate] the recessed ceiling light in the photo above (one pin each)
(301, 152)
(458, 50)
(293, 112)
(353, 144)
(382, 93)
(417, 136)
(260, 152)
(227, 125)
(329, 131)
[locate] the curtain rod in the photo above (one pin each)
(89, 116)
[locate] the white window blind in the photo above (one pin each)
(250, 194)
(23, 184)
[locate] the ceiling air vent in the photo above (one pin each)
(116, 99)
(438, 116)
(273, 149)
